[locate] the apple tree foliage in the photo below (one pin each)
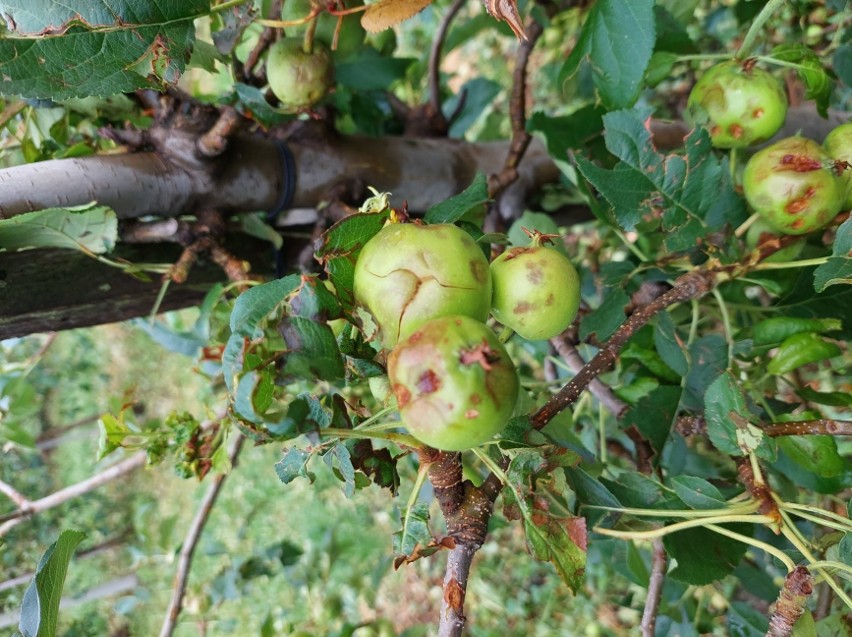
(694, 420)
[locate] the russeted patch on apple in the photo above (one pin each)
(454, 383)
(793, 186)
(410, 273)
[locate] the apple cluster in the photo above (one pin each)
(430, 290)
(795, 184)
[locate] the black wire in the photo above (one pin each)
(285, 198)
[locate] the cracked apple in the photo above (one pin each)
(454, 383)
(410, 273)
(792, 185)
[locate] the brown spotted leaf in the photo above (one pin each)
(94, 48)
(384, 14)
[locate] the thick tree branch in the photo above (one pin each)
(435, 59)
(692, 285)
(798, 586)
(191, 540)
(455, 588)
(14, 495)
(32, 507)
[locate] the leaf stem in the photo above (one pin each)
(422, 474)
(726, 323)
(756, 27)
(686, 524)
(787, 531)
(804, 263)
(400, 439)
(781, 555)
(743, 508)
(230, 4)
(794, 507)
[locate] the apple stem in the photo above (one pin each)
(505, 334)
(756, 27)
(308, 44)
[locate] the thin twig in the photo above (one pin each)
(435, 57)
(690, 286)
(191, 541)
(14, 495)
(518, 115)
(33, 507)
(820, 427)
(659, 562)
(565, 348)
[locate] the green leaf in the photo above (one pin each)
(818, 82)
(95, 48)
(653, 415)
(746, 621)
(250, 100)
(617, 40)
(842, 63)
(338, 249)
(669, 345)
(688, 195)
(728, 419)
(370, 71)
(415, 530)
(113, 432)
(708, 357)
(90, 229)
(40, 605)
(697, 493)
(817, 454)
(468, 205)
(253, 305)
(566, 133)
(634, 489)
(474, 98)
(312, 350)
(833, 399)
(533, 221)
(703, 556)
(339, 459)
(799, 350)
(775, 330)
(838, 269)
(294, 465)
(604, 320)
(671, 33)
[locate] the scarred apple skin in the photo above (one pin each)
(761, 232)
(536, 291)
(791, 184)
(838, 143)
(455, 384)
(738, 103)
(297, 78)
(410, 273)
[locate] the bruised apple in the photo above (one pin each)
(454, 383)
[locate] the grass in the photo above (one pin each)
(297, 557)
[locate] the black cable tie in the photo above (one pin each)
(285, 198)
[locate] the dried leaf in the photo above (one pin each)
(384, 14)
(507, 10)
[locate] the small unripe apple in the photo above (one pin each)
(454, 382)
(410, 273)
(792, 185)
(738, 103)
(838, 143)
(536, 291)
(299, 78)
